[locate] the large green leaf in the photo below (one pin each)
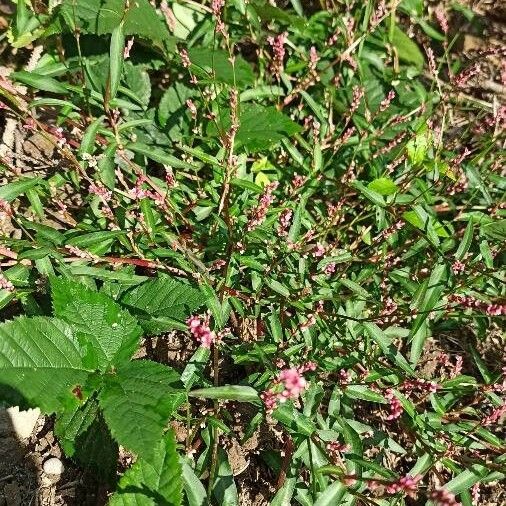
(215, 64)
(160, 300)
(259, 127)
(108, 334)
(103, 16)
(408, 51)
(137, 402)
(154, 482)
(41, 359)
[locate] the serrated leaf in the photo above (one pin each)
(162, 297)
(108, 334)
(137, 402)
(215, 64)
(153, 482)
(74, 422)
(261, 127)
(41, 358)
(96, 450)
(103, 16)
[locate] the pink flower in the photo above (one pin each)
(284, 222)
(407, 484)
(277, 44)
(293, 382)
(458, 267)
(128, 47)
(330, 268)
(396, 408)
(259, 213)
(443, 498)
(200, 330)
(185, 58)
(385, 103)
(5, 284)
(495, 415)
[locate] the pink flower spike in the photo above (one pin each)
(201, 331)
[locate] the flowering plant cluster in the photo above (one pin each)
(274, 232)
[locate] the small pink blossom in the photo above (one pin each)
(185, 58)
(458, 267)
(395, 405)
(495, 415)
(192, 108)
(385, 103)
(128, 48)
(199, 328)
(284, 222)
(406, 484)
(5, 284)
(277, 44)
(293, 382)
(319, 250)
(330, 268)
(442, 497)
(259, 213)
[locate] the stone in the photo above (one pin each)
(53, 466)
(20, 423)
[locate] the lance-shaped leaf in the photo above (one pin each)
(41, 359)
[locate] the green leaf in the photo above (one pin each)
(224, 489)
(101, 17)
(158, 155)
(173, 112)
(332, 495)
(12, 190)
(364, 393)
(41, 359)
(261, 127)
(152, 482)
(193, 488)
(97, 243)
(284, 495)
(373, 196)
(383, 186)
(293, 419)
(195, 367)
(116, 59)
(466, 240)
(408, 51)
(96, 451)
(74, 422)
(388, 349)
(496, 230)
(215, 64)
(466, 479)
(227, 392)
(39, 82)
(162, 297)
(137, 402)
(108, 334)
